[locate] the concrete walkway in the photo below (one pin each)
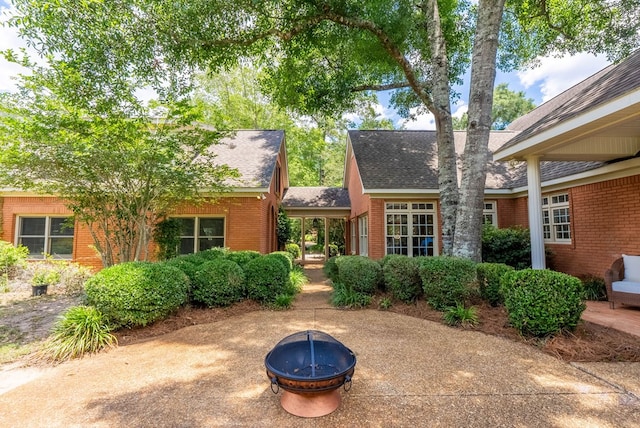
(409, 372)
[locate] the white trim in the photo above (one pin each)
(535, 213)
(584, 119)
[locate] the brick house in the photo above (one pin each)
(569, 170)
(244, 219)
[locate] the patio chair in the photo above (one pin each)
(622, 281)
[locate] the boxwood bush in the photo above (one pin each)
(218, 282)
(137, 293)
(359, 273)
(213, 253)
(489, 275)
(189, 264)
(330, 269)
(293, 249)
(242, 257)
(402, 277)
(511, 246)
(284, 257)
(542, 302)
(447, 281)
(266, 278)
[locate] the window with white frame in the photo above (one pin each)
(354, 240)
(410, 228)
(200, 233)
(490, 213)
(363, 235)
(46, 235)
(556, 220)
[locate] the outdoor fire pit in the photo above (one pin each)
(310, 366)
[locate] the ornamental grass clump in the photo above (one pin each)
(137, 293)
(218, 282)
(542, 302)
(402, 277)
(461, 315)
(344, 296)
(359, 273)
(81, 330)
(489, 275)
(447, 281)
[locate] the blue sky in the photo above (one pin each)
(551, 77)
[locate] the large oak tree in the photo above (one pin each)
(320, 54)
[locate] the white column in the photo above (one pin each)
(535, 213)
(304, 247)
(326, 238)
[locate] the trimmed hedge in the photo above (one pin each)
(218, 282)
(447, 281)
(266, 278)
(511, 246)
(330, 269)
(359, 273)
(402, 277)
(242, 257)
(489, 275)
(213, 253)
(284, 257)
(137, 293)
(189, 264)
(542, 302)
(293, 249)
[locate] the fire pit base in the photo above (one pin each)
(310, 405)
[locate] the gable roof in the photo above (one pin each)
(253, 153)
(316, 197)
(579, 123)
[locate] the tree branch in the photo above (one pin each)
(385, 87)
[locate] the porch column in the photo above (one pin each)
(304, 247)
(535, 213)
(326, 238)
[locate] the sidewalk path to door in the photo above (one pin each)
(409, 372)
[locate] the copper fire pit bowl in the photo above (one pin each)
(310, 366)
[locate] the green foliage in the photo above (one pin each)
(283, 228)
(72, 276)
(12, 257)
(285, 257)
(266, 278)
(402, 277)
(542, 302)
(334, 250)
(459, 315)
(447, 281)
(243, 257)
(359, 273)
(213, 253)
(294, 250)
(511, 246)
(189, 264)
(218, 283)
(283, 301)
(385, 303)
(81, 330)
(594, 287)
(344, 296)
(489, 275)
(167, 236)
(330, 269)
(297, 278)
(45, 275)
(137, 293)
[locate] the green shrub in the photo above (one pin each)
(511, 246)
(81, 330)
(266, 278)
(218, 282)
(594, 287)
(285, 257)
(447, 281)
(344, 296)
(44, 274)
(242, 257)
(460, 315)
(542, 302)
(402, 277)
(12, 258)
(489, 275)
(137, 293)
(297, 278)
(294, 250)
(330, 269)
(213, 254)
(359, 273)
(189, 264)
(334, 250)
(283, 301)
(167, 237)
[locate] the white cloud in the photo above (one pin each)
(9, 40)
(555, 75)
(421, 122)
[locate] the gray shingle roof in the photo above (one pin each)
(253, 153)
(402, 160)
(316, 197)
(604, 86)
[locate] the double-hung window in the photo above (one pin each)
(363, 234)
(556, 220)
(410, 228)
(489, 213)
(200, 233)
(46, 235)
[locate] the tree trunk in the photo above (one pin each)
(441, 109)
(467, 242)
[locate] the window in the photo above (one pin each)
(46, 235)
(410, 228)
(353, 236)
(200, 234)
(556, 220)
(489, 213)
(363, 230)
